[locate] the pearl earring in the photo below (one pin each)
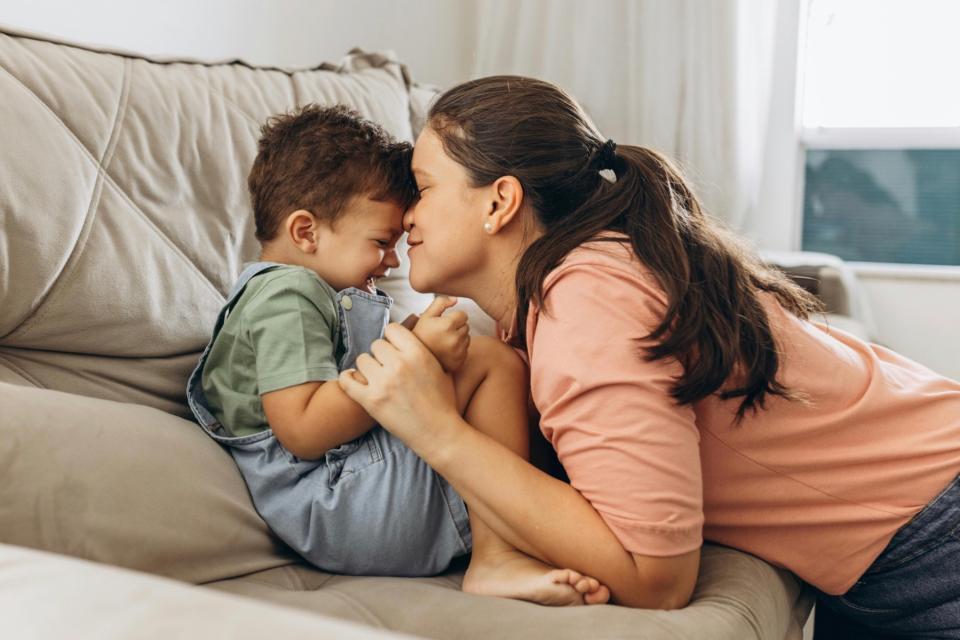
(488, 227)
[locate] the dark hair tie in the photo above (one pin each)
(608, 155)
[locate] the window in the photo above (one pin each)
(880, 114)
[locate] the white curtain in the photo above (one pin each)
(690, 78)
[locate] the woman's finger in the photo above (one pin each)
(403, 339)
(367, 366)
(381, 350)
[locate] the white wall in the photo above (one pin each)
(918, 316)
(435, 38)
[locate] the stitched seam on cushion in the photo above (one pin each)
(68, 272)
(292, 570)
(94, 197)
(295, 90)
(22, 372)
(379, 61)
(206, 87)
(233, 106)
(103, 176)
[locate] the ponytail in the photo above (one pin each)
(715, 323)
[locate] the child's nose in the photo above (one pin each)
(391, 260)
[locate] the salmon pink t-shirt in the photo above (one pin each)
(818, 487)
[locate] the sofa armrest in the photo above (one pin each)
(831, 280)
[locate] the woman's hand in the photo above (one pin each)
(403, 387)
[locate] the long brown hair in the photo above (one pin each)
(714, 322)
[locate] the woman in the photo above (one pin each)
(685, 390)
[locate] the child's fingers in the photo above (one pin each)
(350, 380)
(438, 306)
(457, 318)
(410, 321)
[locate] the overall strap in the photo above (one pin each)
(195, 398)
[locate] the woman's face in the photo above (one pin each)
(445, 224)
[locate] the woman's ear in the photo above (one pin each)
(506, 195)
(303, 229)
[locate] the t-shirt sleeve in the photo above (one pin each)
(291, 324)
(625, 444)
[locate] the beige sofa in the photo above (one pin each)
(123, 220)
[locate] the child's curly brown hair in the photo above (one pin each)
(318, 158)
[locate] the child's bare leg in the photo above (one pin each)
(492, 393)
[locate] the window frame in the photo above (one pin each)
(852, 138)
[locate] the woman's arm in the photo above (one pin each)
(407, 392)
(549, 519)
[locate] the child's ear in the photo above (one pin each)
(303, 229)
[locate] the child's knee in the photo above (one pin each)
(493, 356)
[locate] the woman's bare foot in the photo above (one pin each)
(512, 574)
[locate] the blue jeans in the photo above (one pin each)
(912, 589)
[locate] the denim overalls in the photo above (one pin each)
(369, 507)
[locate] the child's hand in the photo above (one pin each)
(446, 336)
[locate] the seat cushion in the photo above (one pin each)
(126, 485)
(737, 597)
(133, 486)
(43, 595)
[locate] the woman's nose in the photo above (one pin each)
(408, 219)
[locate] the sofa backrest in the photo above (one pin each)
(124, 214)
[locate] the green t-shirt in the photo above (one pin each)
(282, 331)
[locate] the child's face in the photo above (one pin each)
(361, 246)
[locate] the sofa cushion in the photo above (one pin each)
(133, 486)
(737, 597)
(127, 485)
(834, 282)
(124, 214)
(44, 595)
